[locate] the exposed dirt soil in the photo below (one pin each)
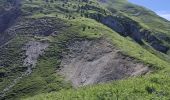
(97, 61)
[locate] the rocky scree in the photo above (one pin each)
(97, 61)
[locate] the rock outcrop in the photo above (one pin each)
(127, 27)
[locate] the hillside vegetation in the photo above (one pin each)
(45, 37)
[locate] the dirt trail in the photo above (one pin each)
(92, 62)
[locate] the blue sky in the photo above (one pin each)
(161, 7)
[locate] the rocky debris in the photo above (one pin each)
(33, 50)
(127, 27)
(92, 62)
(41, 26)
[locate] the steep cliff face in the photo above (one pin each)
(127, 27)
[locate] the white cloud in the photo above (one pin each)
(167, 16)
(164, 14)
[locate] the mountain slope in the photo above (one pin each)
(93, 41)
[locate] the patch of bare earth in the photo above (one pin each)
(33, 50)
(91, 62)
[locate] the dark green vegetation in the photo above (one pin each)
(137, 32)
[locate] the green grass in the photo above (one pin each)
(127, 46)
(147, 18)
(144, 88)
(44, 78)
(47, 84)
(150, 86)
(11, 60)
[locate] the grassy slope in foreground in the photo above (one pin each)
(150, 86)
(145, 88)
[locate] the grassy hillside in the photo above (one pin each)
(149, 87)
(57, 22)
(152, 86)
